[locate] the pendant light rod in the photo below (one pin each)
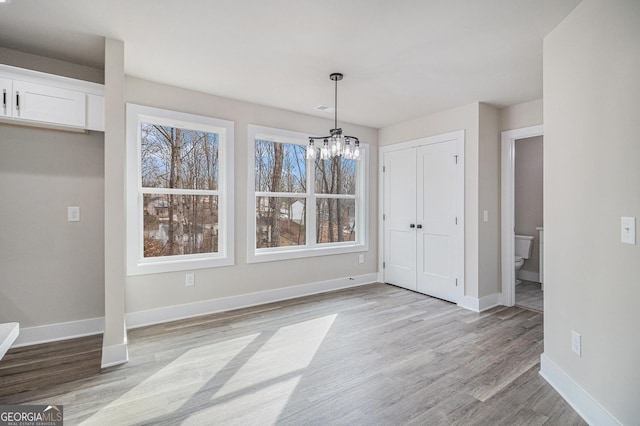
(336, 76)
(336, 144)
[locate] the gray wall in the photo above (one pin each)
(51, 270)
(591, 177)
(528, 194)
(19, 59)
(521, 115)
(161, 290)
(481, 184)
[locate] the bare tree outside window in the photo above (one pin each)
(179, 183)
(280, 180)
(335, 186)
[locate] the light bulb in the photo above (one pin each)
(347, 153)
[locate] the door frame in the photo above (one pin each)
(507, 201)
(458, 136)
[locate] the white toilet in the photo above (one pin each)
(523, 247)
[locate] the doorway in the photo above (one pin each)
(508, 225)
(422, 206)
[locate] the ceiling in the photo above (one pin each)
(401, 59)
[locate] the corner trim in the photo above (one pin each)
(189, 310)
(479, 305)
(114, 355)
(584, 404)
(60, 331)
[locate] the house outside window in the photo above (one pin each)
(179, 202)
(301, 207)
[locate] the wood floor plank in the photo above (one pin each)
(375, 354)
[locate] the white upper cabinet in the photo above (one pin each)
(39, 99)
(5, 91)
(48, 104)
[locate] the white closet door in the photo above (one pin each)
(436, 220)
(400, 214)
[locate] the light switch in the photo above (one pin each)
(628, 230)
(485, 215)
(73, 214)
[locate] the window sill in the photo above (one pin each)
(276, 254)
(144, 268)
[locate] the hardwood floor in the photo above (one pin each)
(374, 354)
(529, 295)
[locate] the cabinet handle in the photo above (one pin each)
(4, 98)
(419, 226)
(413, 225)
(17, 101)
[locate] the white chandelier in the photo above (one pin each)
(336, 144)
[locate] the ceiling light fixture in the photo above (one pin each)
(336, 144)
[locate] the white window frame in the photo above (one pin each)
(137, 264)
(311, 248)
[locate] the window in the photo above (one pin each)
(179, 191)
(300, 207)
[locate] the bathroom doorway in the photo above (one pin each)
(522, 215)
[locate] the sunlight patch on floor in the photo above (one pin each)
(168, 389)
(260, 390)
(239, 381)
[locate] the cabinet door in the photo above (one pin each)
(48, 104)
(5, 93)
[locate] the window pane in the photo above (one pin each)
(335, 220)
(180, 224)
(280, 221)
(178, 158)
(280, 167)
(335, 176)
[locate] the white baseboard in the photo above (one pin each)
(528, 275)
(115, 355)
(590, 410)
(60, 331)
(482, 304)
(177, 312)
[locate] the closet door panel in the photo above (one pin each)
(399, 215)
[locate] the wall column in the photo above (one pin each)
(114, 346)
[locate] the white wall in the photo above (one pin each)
(163, 290)
(591, 177)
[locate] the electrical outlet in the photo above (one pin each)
(73, 214)
(576, 343)
(628, 230)
(190, 279)
(361, 258)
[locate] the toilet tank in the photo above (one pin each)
(523, 246)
